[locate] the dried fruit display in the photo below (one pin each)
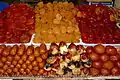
(97, 24)
(59, 59)
(16, 23)
(22, 60)
(104, 64)
(56, 22)
(68, 60)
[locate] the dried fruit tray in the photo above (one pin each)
(48, 45)
(60, 76)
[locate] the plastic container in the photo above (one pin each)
(3, 5)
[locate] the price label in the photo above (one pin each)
(103, 3)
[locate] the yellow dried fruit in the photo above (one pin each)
(55, 22)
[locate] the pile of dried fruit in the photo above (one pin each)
(68, 60)
(97, 24)
(55, 22)
(105, 60)
(59, 60)
(16, 24)
(21, 60)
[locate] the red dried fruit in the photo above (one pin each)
(105, 72)
(97, 64)
(108, 65)
(94, 56)
(115, 71)
(110, 50)
(100, 49)
(94, 71)
(89, 49)
(104, 57)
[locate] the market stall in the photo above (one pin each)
(59, 40)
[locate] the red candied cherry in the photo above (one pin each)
(108, 65)
(100, 49)
(111, 50)
(97, 64)
(94, 56)
(104, 57)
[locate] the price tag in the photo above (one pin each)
(103, 3)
